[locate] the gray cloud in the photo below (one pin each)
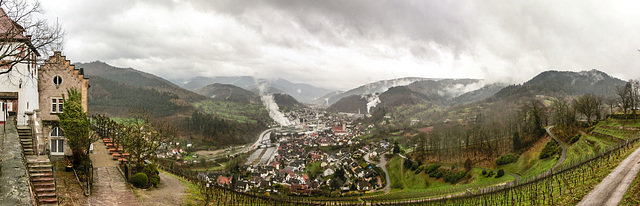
(343, 44)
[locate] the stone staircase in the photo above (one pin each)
(41, 175)
(40, 170)
(24, 132)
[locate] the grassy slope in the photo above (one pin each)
(529, 164)
(632, 197)
(420, 185)
(234, 111)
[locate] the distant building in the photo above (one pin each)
(55, 77)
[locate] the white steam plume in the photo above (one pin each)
(271, 105)
(372, 101)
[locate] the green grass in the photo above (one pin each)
(234, 111)
(529, 164)
(415, 186)
(632, 197)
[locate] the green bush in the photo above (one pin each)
(506, 159)
(414, 167)
(484, 172)
(408, 163)
(550, 149)
(438, 173)
(490, 174)
(152, 172)
(431, 168)
(500, 173)
(575, 139)
(140, 180)
(453, 177)
(419, 169)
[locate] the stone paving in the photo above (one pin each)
(109, 185)
(14, 185)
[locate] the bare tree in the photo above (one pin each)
(589, 105)
(141, 138)
(24, 36)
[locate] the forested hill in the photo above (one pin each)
(136, 78)
(565, 83)
(227, 92)
(287, 101)
(117, 99)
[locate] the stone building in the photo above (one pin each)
(18, 72)
(54, 78)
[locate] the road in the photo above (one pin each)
(262, 155)
(383, 165)
(564, 149)
(611, 190)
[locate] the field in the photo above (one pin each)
(251, 113)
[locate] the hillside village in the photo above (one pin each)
(96, 134)
(324, 143)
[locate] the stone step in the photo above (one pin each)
(45, 189)
(41, 174)
(46, 194)
(41, 165)
(42, 179)
(36, 170)
(44, 184)
(50, 200)
(27, 150)
(29, 153)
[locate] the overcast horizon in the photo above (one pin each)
(344, 44)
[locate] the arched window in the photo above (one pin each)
(57, 132)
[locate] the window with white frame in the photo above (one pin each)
(57, 132)
(57, 141)
(57, 105)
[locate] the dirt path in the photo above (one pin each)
(612, 189)
(564, 149)
(170, 192)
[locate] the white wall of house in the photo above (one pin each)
(27, 91)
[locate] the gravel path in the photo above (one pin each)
(564, 149)
(612, 189)
(170, 192)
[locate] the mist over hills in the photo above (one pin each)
(446, 92)
(371, 88)
(566, 83)
(386, 93)
(228, 92)
(409, 92)
(300, 91)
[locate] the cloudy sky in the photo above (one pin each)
(343, 44)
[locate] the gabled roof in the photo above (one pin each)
(10, 28)
(11, 31)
